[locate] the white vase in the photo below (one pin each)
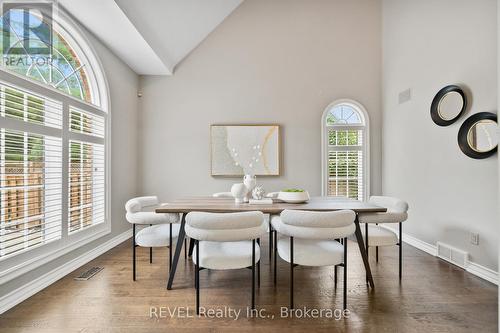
(239, 191)
(250, 182)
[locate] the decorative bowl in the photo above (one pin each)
(294, 196)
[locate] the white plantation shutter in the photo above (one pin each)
(345, 151)
(30, 190)
(30, 171)
(42, 155)
(345, 163)
(86, 185)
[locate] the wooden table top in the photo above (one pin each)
(225, 205)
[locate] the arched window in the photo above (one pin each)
(53, 135)
(345, 169)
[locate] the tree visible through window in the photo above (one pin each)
(54, 63)
(344, 135)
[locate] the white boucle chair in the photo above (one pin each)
(375, 234)
(161, 230)
(225, 241)
(311, 239)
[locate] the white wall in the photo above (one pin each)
(280, 61)
(427, 45)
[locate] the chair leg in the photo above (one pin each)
(185, 249)
(400, 251)
(275, 254)
(376, 253)
(270, 240)
(253, 274)
(170, 249)
(366, 246)
(291, 273)
(335, 275)
(191, 247)
(133, 252)
(258, 265)
(345, 273)
(150, 252)
(197, 277)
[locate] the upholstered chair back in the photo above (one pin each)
(393, 205)
(140, 210)
(225, 227)
(317, 225)
(136, 205)
(397, 211)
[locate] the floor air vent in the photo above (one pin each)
(89, 273)
(452, 254)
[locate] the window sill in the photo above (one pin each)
(16, 266)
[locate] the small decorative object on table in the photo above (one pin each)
(239, 191)
(250, 182)
(258, 192)
(294, 195)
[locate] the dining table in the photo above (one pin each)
(186, 205)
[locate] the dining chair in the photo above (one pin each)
(376, 234)
(159, 230)
(225, 241)
(312, 239)
(266, 217)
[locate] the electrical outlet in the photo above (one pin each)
(474, 238)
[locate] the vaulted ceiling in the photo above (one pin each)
(151, 36)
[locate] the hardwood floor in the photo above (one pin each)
(433, 297)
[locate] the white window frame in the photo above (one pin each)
(365, 150)
(29, 259)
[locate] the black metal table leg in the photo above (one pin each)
(361, 245)
(366, 247)
(178, 248)
(170, 249)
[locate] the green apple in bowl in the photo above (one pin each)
(293, 195)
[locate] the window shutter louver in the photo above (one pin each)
(32, 141)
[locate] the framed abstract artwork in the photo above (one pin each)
(238, 150)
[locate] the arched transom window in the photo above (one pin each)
(345, 164)
(54, 124)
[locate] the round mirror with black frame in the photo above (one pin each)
(448, 105)
(478, 135)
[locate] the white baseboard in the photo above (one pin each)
(20, 294)
(482, 272)
(473, 268)
(419, 244)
